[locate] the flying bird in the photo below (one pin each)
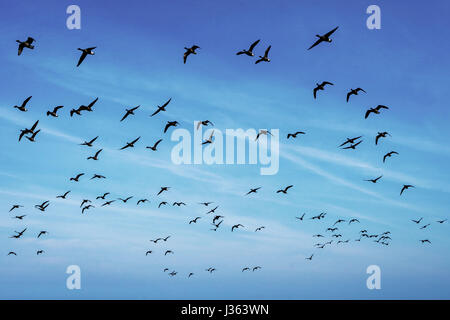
(323, 38)
(320, 86)
(264, 58)
(155, 145)
(84, 53)
(354, 91)
(129, 112)
(375, 110)
(249, 52)
(22, 107)
(54, 112)
(25, 44)
(189, 51)
(161, 108)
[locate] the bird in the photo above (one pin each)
(310, 257)
(353, 146)
(88, 107)
(103, 196)
(25, 44)
(374, 180)
(39, 252)
(236, 226)
(97, 176)
(355, 92)
(170, 124)
(265, 57)
(22, 107)
(64, 195)
(89, 143)
(95, 157)
(141, 201)
(285, 189)
(203, 123)
(320, 86)
(129, 112)
(155, 145)
(406, 187)
(15, 206)
(300, 218)
(33, 136)
(125, 200)
(42, 233)
(189, 51)
(162, 203)
(381, 135)
(20, 217)
(162, 190)
(84, 53)
(349, 140)
(388, 155)
(325, 37)
(28, 131)
(130, 144)
(77, 177)
(255, 190)
(263, 132)
(148, 252)
(294, 135)
(168, 251)
(249, 52)
(194, 220)
(209, 140)
(161, 108)
(375, 110)
(54, 112)
(260, 228)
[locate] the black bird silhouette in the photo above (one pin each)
(310, 257)
(97, 176)
(95, 157)
(264, 58)
(162, 203)
(130, 144)
(28, 131)
(406, 187)
(294, 135)
(77, 177)
(355, 92)
(162, 190)
(320, 86)
(22, 107)
(103, 196)
(285, 189)
(141, 201)
(236, 226)
(194, 220)
(325, 37)
(125, 200)
(375, 110)
(170, 124)
(54, 112)
(161, 108)
(64, 195)
(249, 52)
(89, 143)
(349, 140)
(374, 180)
(300, 218)
(189, 51)
(42, 233)
(84, 53)
(255, 190)
(260, 228)
(203, 123)
(129, 112)
(388, 155)
(155, 145)
(353, 146)
(15, 206)
(381, 135)
(25, 44)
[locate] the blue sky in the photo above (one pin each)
(138, 61)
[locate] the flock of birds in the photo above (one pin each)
(331, 233)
